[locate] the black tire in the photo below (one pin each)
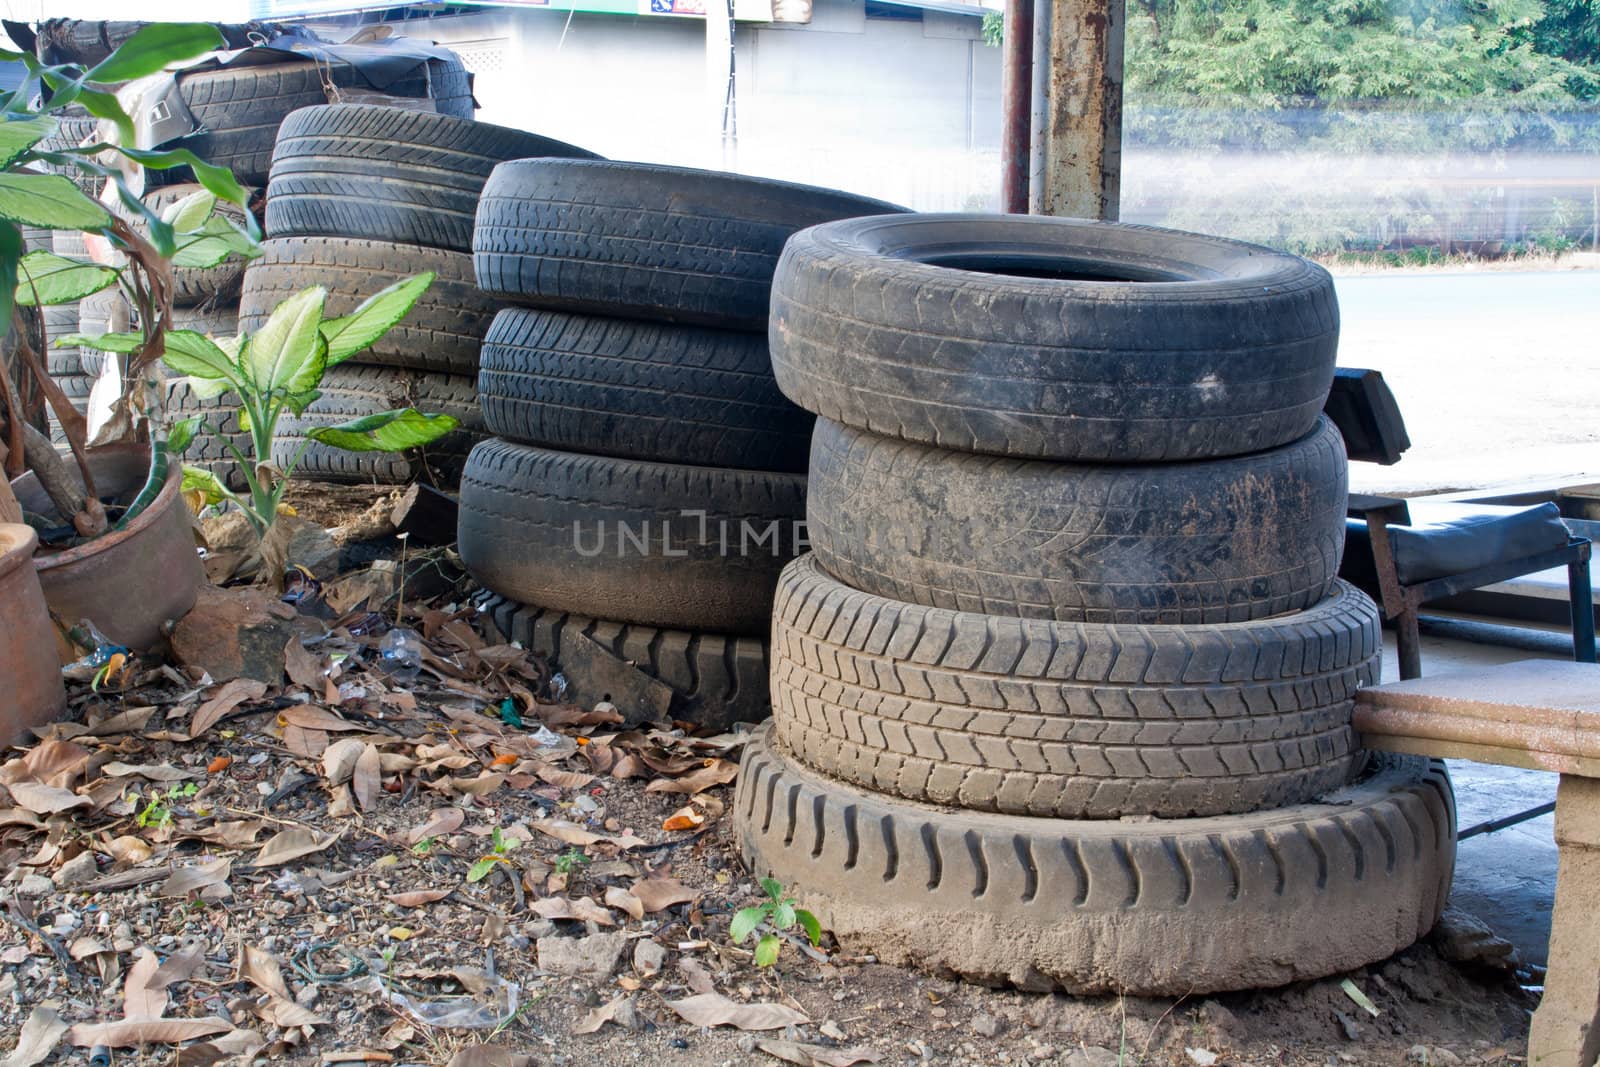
(440, 335)
(1069, 720)
(191, 286)
(59, 321)
(717, 679)
(74, 125)
(1213, 541)
(1149, 908)
(209, 449)
(641, 241)
(389, 174)
(107, 311)
(638, 390)
(239, 108)
(214, 319)
(350, 391)
(1054, 338)
(654, 543)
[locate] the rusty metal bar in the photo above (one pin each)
(1082, 173)
(1016, 93)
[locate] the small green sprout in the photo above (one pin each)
(502, 846)
(569, 861)
(780, 913)
(156, 811)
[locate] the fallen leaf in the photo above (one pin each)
(230, 696)
(416, 898)
(132, 721)
(308, 744)
(563, 779)
(606, 1013)
(39, 1037)
(582, 909)
(573, 834)
(622, 900)
(339, 760)
(289, 845)
(189, 880)
(180, 967)
(304, 666)
(367, 781)
(260, 968)
(154, 772)
(46, 799)
(685, 818)
(695, 975)
(139, 1000)
(129, 849)
(220, 764)
(714, 1009)
(440, 821)
(659, 893)
(714, 772)
(50, 762)
(815, 1055)
(488, 1056)
(125, 1033)
(307, 717)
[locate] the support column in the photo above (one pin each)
(1016, 94)
(1566, 1028)
(1082, 173)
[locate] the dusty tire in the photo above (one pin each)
(642, 241)
(350, 391)
(389, 174)
(208, 449)
(74, 126)
(107, 311)
(655, 543)
(240, 108)
(1213, 541)
(717, 679)
(191, 286)
(1153, 908)
(1231, 350)
(441, 334)
(638, 390)
(1069, 720)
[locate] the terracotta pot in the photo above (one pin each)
(30, 671)
(132, 581)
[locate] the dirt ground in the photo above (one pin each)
(308, 873)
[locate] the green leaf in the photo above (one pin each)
(103, 342)
(45, 279)
(298, 402)
(49, 200)
(214, 242)
(210, 388)
(359, 329)
(773, 887)
(287, 343)
(783, 916)
(154, 48)
(767, 950)
(197, 356)
(208, 485)
(191, 212)
(218, 180)
(480, 870)
(745, 921)
(388, 431)
(10, 255)
(182, 433)
(103, 105)
(808, 923)
(18, 136)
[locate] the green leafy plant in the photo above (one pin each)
(157, 810)
(278, 369)
(569, 861)
(501, 846)
(143, 246)
(779, 912)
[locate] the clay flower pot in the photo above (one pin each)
(129, 582)
(30, 667)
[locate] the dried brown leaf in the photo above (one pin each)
(815, 1055)
(50, 762)
(126, 1033)
(308, 717)
(180, 967)
(132, 721)
(714, 1009)
(695, 975)
(188, 880)
(622, 900)
(657, 894)
(713, 772)
(224, 700)
(583, 909)
(562, 779)
(440, 821)
(39, 1037)
(303, 665)
(154, 772)
(289, 845)
(46, 799)
(606, 1013)
(367, 782)
(139, 1000)
(573, 834)
(416, 898)
(685, 818)
(488, 1056)
(339, 760)
(309, 744)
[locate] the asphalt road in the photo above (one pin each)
(1497, 374)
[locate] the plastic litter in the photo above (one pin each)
(559, 688)
(101, 649)
(400, 654)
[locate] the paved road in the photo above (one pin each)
(1497, 374)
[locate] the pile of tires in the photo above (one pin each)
(644, 485)
(1062, 696)
(359, 197)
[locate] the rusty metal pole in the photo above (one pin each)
(1016, 92)
(1083, 164)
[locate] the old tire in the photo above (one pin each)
(389, 174)
(1053, 338)
(107, 311)
(74, 125)
(717, 679)
(350, 391)
(240, 108)
(443, 330)
(1152, 908)
(1070, 720)
(1213, 541)
(638, 390)
(209, 449)
(643, 241)
(671, 545)
(191, 286)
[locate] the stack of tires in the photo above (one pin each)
(645, 484)
(359, 197)
(1062, 696)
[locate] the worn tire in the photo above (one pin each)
(638, 390)
(74, 125)
(240, 108)
(350, 391)
(1059, 338)
(655, 543)
(107, 311)
(209, 449)
(443, 330)
(1151, 908)
(1212, 541)
(191, 286)
(1071, 720)
(389, 174)
(643, 241)
(716, 679)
